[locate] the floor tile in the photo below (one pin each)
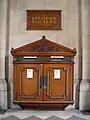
(68, 114)
(54, 118)
(32, 118)
(11, 118)
(75, 118)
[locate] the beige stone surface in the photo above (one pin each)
(18, 35)
(85, 83)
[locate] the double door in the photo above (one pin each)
(43, 82)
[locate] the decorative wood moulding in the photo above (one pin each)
(43, 19)
(43, 47)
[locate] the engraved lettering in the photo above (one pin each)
(32, 20)
(46, 18)
(43, 19)
(54, 20)
(50, 19)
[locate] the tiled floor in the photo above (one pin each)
(68, 114)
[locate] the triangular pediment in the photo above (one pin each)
(42, 46)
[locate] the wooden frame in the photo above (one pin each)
(43, 20)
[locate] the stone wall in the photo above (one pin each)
(16, 35)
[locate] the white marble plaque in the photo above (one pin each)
(29, 73)
(56, 74)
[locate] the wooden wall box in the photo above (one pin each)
(43, 74)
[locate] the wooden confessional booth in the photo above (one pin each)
(43, 75)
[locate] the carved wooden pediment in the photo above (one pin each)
(43, 47)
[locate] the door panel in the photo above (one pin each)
(49, 82)
(57, 82)
(30, 84)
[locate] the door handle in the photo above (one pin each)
(45, 81)
(41, 81)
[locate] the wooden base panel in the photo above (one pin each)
(46, 106)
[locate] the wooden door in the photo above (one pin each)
(44, 84)
(28, 86)
(57, 87)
